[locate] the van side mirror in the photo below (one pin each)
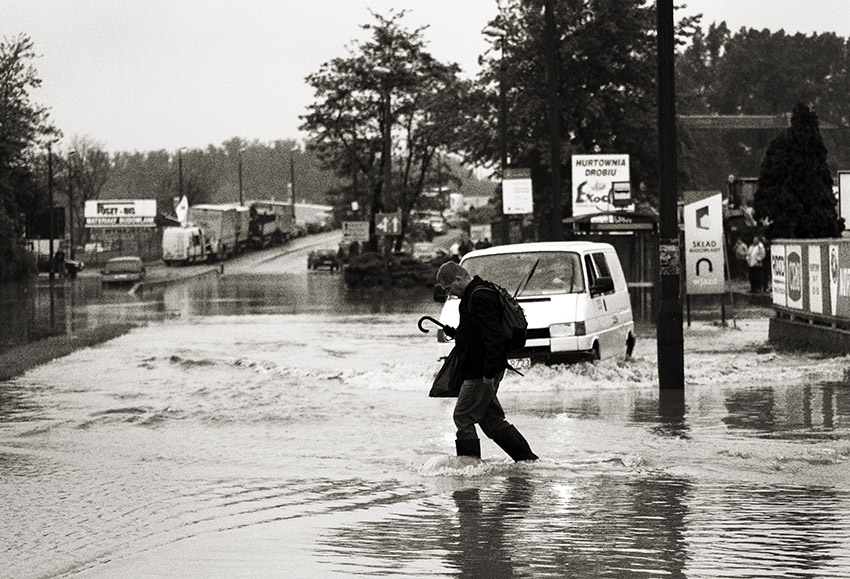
(603, 285)
(440, 295)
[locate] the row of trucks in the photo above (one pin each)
(218, 232)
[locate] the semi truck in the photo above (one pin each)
(271, 222)
(221, 227)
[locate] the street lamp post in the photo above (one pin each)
(292, 177)
(50, 215)
(71, 201)
(180, 171)
(501, 35)
(241, 202)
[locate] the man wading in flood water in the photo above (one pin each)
(480, 345)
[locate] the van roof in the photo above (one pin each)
(576, 246)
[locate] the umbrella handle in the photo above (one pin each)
(430, 319)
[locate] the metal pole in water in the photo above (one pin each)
(671, 363)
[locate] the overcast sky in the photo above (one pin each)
(163, 74)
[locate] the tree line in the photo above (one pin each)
(389, 121)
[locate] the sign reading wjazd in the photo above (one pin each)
(704, 255)
(594, 177)
(119, 213)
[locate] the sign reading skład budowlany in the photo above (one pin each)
(600, 183)
(704, 255)
(121, 213)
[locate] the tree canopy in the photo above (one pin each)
(794, 195)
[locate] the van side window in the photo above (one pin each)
(591, 271)
(601, 265)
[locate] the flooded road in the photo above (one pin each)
(280, 427)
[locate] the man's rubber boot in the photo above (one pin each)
(512, 442)
(468, 447)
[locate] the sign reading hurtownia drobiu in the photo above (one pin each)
(593, 182)
(704, 255)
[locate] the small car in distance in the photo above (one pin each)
(123, 270)
(323, 258)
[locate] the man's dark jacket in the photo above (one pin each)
(479, 341)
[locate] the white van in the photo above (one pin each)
(576, 300)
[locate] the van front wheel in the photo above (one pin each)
(593, 353)
(630, 345)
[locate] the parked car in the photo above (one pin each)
(123, 270)
(323, 258)
(427, 251)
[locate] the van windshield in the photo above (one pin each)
(558, 272)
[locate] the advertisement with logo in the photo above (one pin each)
(593, 182)
(794, 277)
(842, 306)
(815, 280)
(517, 192)
(833, 280)
(777, 273)
(120, 213)
(704, 256)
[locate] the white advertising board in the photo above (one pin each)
(593, 178)
(120, 213)
(794, 277)
(815, 280)
(704, 255)
(777, 273)
(517, 194)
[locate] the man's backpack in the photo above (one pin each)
(514, 324)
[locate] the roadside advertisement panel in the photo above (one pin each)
(794, 277)
(593, 182)
(704, 258)
(833, 280)
(815, 280)
(842, 309)
(517, 198)
(777, 273)
(120, 213)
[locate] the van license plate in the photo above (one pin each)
(521, 364)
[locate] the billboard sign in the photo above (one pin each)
(517, 192)
(593, 179)
(120, 213)
(704, 255)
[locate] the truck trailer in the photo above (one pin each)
(271, 222)
(221, 227)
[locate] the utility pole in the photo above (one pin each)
(553, 229)
(71, 201)
(52, 224)
(240, 178)
(671, 363)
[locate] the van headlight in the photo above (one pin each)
(566, 330)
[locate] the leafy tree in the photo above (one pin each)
(794, 194)
(757, 72)
(382, 113)
(22, 124)
(605, 91)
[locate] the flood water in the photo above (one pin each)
(279, 426)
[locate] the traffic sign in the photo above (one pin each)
(388, 223)
(355, 231)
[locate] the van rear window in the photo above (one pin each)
(556, 272)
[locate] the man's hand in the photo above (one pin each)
(450, 331)
(489, 381)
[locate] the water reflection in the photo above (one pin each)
(779, 412)
(31, 311)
